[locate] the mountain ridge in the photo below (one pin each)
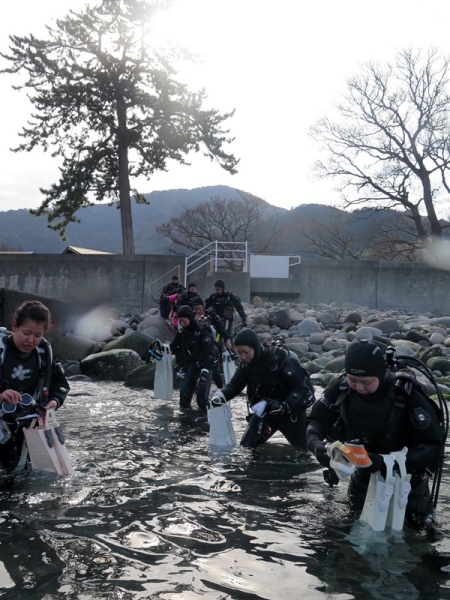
(100, 227)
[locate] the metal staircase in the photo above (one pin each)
(216, 255)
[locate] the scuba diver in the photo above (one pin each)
(272, 375)
(165, 307)
(188, 295)
(384, 411)
(213, 320)
(224, 304)
(197, 354)
(27, 367)
(175, 302)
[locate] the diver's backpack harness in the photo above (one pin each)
(404, 382)
(396, 365)
(257, 430)
(279, 356)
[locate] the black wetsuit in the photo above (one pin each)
(274, 374)
(25, 373)
(213, 320)
(383, 425)
(195, 349)
(224, 306)
(165, 306)
(187, 297)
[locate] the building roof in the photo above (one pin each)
(77, 250)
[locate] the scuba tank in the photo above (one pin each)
(404, 381)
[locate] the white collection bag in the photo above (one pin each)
(229, 366)
(402, 487)
(46, 445)
(221, 432)
(378, 497)
(386, 498)
(163, 388)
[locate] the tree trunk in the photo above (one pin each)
(417, 218)
(124, 183)
(436, 229)
(125, 204)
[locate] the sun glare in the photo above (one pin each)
(188, 24)
(179, 27)
(203, 29)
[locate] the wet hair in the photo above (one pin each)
(32, 310)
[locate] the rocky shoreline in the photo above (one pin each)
(106, 345)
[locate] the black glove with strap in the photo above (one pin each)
(318, 448)
(218, 399)
(203, 377)
(278, 410)
(378, 464)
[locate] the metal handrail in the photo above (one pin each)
(150, 285)
(215, 250)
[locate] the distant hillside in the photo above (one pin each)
(100, 227)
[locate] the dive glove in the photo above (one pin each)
(378, 464)
(203, 376)
(278, 409)
(319, 449)
(218, 399)
(308, 400)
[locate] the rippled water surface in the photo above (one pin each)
(152, 512)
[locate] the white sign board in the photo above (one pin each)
(269, 266)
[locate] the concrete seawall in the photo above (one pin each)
(124, 282)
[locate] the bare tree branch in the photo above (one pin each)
(242, 219)
(359, 235)
(390, 147)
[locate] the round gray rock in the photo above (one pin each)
(367, 333)
(439, 363)
(136, 340)
(113, 365)
(308, 326)
(157, 327)
(73, 347)
(142, 377)
(280, 318)
(387, 326)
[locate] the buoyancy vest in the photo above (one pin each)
(223, 305)
(273, 375)
(197, 344)
(386, 419)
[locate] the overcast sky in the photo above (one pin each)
(282, 65)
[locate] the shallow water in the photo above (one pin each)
(151, 512)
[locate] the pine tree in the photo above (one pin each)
(111, 107)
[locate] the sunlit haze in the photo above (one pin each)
(281, 65)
